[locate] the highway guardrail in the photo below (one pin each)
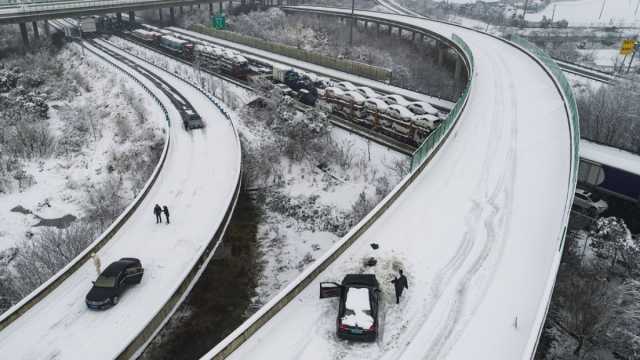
(269, 310)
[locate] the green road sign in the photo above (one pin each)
(218, 21)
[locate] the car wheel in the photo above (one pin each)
(114, 300)
(593, 212)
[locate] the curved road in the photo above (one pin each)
(197, 183)
(478, 232)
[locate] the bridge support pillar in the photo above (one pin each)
(366, 24)
(160, 13)
(389, 28)
(46, 28)
(172, 16)
(36, 34)
(25, 34)
(413, 36)
(378, 27)
(119, 16)
(132, 16)
(220, 7)
(458, 70)
(421, 38)
(181, 10)
(230, 4)
(400, 32)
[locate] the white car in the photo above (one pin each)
(333, 92)
(400, 112)
(427, 121)
(376, 105)
(367, 92)
(395, 100)
(589, 202)
(421, 108)
(346, 86)
(353, 97)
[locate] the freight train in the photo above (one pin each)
(209, 57)
(392, 115)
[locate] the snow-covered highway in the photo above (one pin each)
(479, 231)
(198, 183)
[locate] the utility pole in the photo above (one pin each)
(637, 6)
(553, 14)
(635, 50)
(524, 12)
(353, 5)
(604, 2)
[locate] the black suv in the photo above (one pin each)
(359, 303)
(191, 120)
(113, 281)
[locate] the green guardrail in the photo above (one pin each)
(353, 67)
(565, 87)
(436, 136)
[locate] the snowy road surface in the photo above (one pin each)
(197, 184)
(478, 233)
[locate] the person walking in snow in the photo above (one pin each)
(158, 211)
(96, 262)
(400, 283)
(165, 209)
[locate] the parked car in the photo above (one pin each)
(427, 121)
(191, 120)
(353, 97)
(421, 108)
(399, 112)
(113, 281)
(396, 100)
(333, 92)
(285, 90)
(346, 86)
(367, 92)
(358, 306)
(589, 202)
(376, 105)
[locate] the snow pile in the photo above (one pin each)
(357, 308)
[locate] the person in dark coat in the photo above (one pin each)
(400, 283)
(165, 209)
(158, 211)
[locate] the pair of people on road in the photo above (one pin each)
(157, 210)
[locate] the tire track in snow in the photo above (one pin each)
(500, 204)
(444, 277)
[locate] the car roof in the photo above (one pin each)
(368, 280)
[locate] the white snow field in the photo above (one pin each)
(478, 233)
(197, 183)
(588, 12)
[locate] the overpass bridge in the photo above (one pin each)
(33, 12)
